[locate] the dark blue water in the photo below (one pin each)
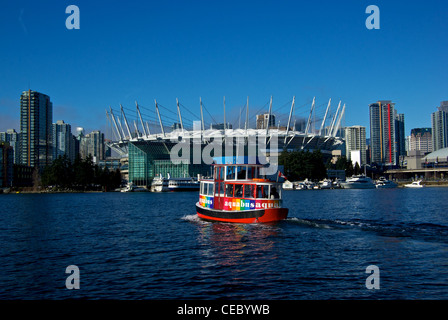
(152, 246)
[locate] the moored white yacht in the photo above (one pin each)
(358, 182)
(383, 183)
(162, 184)
(414, 184)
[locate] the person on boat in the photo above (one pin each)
(274, 193)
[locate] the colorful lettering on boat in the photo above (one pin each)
(206, 201)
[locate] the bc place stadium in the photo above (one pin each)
(184, 148)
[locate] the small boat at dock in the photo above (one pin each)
(383, 183)
(414, 184)
(358, 182)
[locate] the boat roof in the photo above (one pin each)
(240, 160)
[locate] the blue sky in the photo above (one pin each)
(144, 50)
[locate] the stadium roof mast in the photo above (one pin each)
(121, 127)
(289, 119)
(246, 124)
(339, 122)
(325, 117)
(269, 118)
(308, 124)
(126, 122)
(141, 121)
(180, 116)
(160, 120)
(115, 123)
(334, 119)
(202, 116)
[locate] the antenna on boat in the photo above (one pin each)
(160, 120)
(126, 122)
(325, 117)
(289, 119)
(180, 116)
(141, 120)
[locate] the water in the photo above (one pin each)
(152, 246)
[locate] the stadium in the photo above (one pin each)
(185, 148)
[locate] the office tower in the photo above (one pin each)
(92, 144)
(382, 132)
(6, 164)
(443, 106)
(439, 122)
(262, 121)
(220, 126)
(62, 140)
(36, 118)
(13, 138)
(400, 138)
(421, 140)
(355, 141)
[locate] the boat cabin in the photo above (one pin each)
(239, 182)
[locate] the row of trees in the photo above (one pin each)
(301, 165)
(82, 174)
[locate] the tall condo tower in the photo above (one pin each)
(382, 132)
(36, 117)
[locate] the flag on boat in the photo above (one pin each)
(281, 175)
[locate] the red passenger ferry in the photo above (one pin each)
(239, 193)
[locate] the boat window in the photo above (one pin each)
(202, 188)
(241, 172)
(219, 173)
(248, 191)
(210, 189)
(251, 173)
(262, 191)
(229, 190)
(238, 191)
(221, 188)
(230, 172)
(217, 189)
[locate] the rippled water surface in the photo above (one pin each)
(153, 246)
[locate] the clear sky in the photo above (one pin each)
(144, 50)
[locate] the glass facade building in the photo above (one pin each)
(149, 159)
(63, 140)
(13, 138)
(36, 118)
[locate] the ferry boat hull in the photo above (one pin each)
(244, 216)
